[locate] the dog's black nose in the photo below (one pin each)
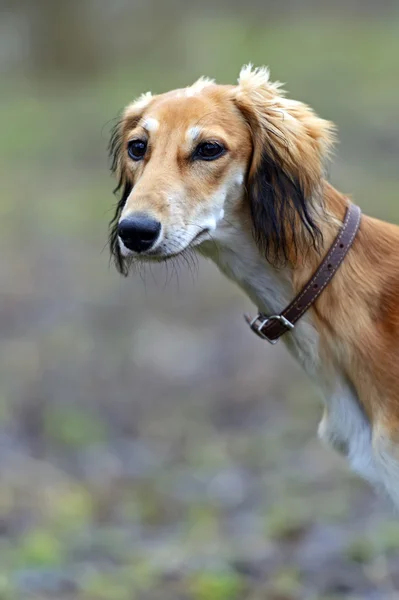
(139, 232)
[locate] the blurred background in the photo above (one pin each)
(151, 447)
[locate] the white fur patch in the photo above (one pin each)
(239, 259)
(346, 428)
(213, 217)
(209, 223)
(250, 79)
(198, 86)
(240, 178)
(249, 75)
(151, 124)
(140, 102)
(193, 133)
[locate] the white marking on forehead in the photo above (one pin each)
(198, 86)
(193, 133)
(150, 124)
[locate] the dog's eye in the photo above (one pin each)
(137, 149)
(209, 151)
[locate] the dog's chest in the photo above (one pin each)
(239, 260)
(344, 425)
(271, 291)
(346, 428)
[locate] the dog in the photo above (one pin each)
(237, 174)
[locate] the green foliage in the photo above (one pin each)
(74, 427)
(384, 540)
(287, 581)
(7, 590)
(56, 198)
(360, 550)
(39, 548)
(72, 508)
(286, 521)
(103, 587)
(216, 586)
(386, 537)
(202, 522)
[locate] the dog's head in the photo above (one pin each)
(188, 159)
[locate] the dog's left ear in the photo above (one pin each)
(285, 176)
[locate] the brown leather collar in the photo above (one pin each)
(273, 327)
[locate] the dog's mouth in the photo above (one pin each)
(164, 251)
(200, 237)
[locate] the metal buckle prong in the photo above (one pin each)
(258, 322)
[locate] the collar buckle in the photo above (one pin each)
(258, 323)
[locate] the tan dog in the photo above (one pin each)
(237, 172)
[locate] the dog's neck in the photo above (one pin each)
(237, 255)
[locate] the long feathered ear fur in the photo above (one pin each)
(285, 177)
(124, 187)
(116, 147)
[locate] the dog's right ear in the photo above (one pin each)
(289, 147)
(123, 189)
(117, 154)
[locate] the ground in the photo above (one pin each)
(151, 447)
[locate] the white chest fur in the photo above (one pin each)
(237, 256)
(346, 428)
(344, 425)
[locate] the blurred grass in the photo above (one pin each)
(121, 481)
(346, 70)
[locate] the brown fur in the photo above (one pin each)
(357, 316)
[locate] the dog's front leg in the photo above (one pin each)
(346, 428)
(329, 434)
